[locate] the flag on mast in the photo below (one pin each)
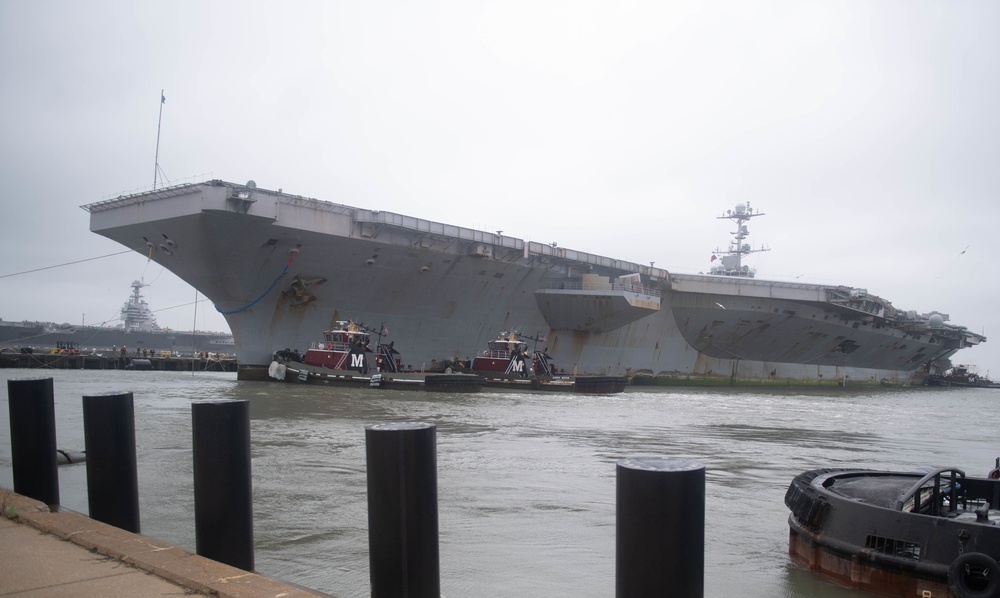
(163, 98)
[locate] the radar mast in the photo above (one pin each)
(732, 260)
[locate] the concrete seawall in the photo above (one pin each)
(25, 563)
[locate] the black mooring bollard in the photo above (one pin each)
(112, 474)
(33, 439)
(660, 542)
(223, 493)
(402, 510)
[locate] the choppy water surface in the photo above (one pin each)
(526, 482)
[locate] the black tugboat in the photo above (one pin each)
(930, 533)
(962, 376)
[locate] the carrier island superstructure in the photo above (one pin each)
(283, 268)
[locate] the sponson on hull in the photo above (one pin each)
(282, 266)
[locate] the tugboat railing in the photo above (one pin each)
(914, 493)
(331, 346)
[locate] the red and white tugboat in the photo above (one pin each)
(507, 363)
(348, 347)
(507, 357)
(345, 355)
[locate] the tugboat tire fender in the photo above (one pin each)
(974, 575)
(806, 505)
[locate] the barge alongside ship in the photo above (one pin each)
(264, 258)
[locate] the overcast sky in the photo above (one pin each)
(867, 132)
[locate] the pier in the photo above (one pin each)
(44, 550)
(188, 363)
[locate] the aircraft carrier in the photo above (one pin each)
(136, 330)
(283, 268)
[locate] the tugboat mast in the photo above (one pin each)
(732, 260)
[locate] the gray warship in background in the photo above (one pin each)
(284, 268)
(136, 329)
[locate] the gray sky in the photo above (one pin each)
(868, 132)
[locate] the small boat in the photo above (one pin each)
(507, 364)
(931, 533)
(959, 375)
(345, 356)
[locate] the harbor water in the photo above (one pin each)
(526, 482)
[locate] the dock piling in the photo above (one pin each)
(660, 541)
(31, 403)
(403, 510)
(223, 494)
(112, 473)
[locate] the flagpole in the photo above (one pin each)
(194, 328)
(156, 160)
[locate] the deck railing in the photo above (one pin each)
(610, 286)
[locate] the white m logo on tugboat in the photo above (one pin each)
(516, 365)
(357, 360)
